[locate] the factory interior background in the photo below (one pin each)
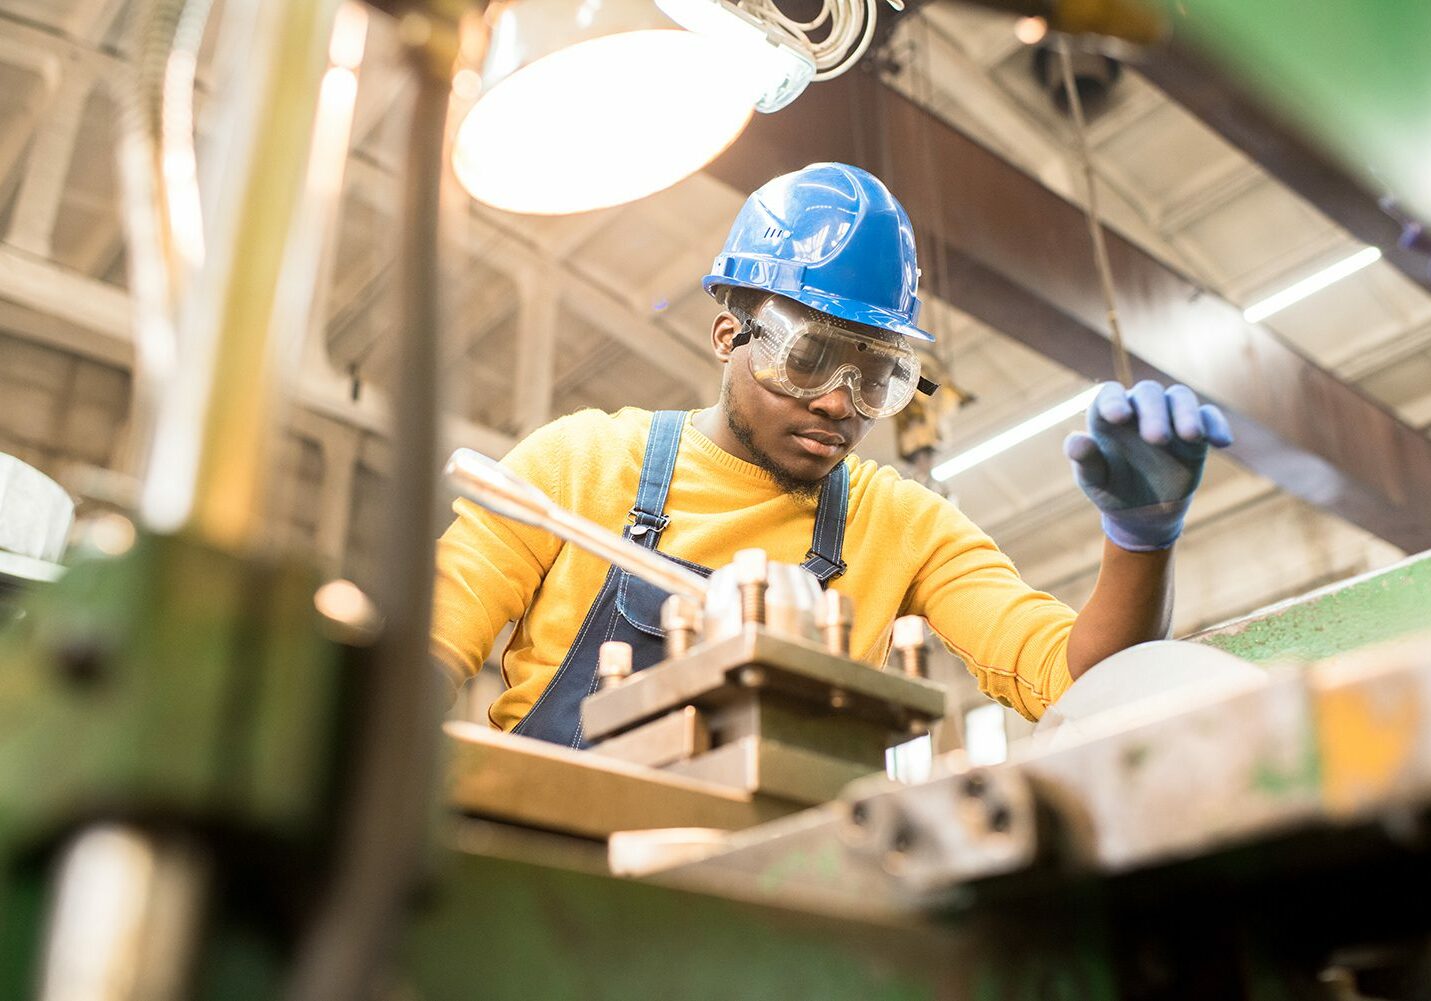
(604, 309)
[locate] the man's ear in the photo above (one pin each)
(723, 331)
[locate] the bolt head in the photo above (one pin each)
(834, 609)
(908, 632)
(681, 611)
(614, 660)
(752, 566)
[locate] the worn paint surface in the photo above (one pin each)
(1370, 609)
(1369, 739)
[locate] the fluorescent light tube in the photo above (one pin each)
(1314, 283)
(1006, 440)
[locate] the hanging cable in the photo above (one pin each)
(851, 30)
(1122, 368)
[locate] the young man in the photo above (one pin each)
(817, 281)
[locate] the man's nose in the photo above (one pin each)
(838, 404)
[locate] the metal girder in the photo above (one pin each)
(1001, 246)
(1245, 123)
(87, 304)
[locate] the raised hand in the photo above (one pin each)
(1142, 458)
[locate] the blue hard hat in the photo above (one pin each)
(832, 237)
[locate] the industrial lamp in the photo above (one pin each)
(587, 104)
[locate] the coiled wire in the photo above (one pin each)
(851, 26)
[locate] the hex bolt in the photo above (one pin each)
(909, 641)
(681, 621)
(752, 574)
(834, 615)
(613, 664)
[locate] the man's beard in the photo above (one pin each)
(796, 486)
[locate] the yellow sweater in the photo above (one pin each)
(910, 552)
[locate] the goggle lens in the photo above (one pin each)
(798, 355)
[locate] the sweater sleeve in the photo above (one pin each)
(1013, 638)
(489, 567)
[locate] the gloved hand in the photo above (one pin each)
(1142, 459)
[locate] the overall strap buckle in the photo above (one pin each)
(824, 568)
(643, 521)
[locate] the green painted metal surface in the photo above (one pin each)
(172, 676)
(511, 930)
(499, 929)
(176, 686)
(1352, 74)
(1373, 608)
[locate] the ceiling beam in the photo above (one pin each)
(533, 382)
(103, 312)
(47, 170)
(1016, 255)
(1248, 125)
(508, 247)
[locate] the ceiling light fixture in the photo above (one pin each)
(1311, 284)
(1005, 440)
(586, 104)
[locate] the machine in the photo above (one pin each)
(219, 772)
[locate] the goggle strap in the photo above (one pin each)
(747, 326)
(926, 386)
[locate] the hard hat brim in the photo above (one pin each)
(838, 306)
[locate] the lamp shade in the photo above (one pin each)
(587, 104)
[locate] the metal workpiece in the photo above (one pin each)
(801, 862)
(761, 712)
(485, 481)
(681, 621)
(1214, 772)
(708, 675)
(775, 769)
(533, 783)
(674, 737)
(613, 664)
(835, 617)
(955, 828)
(909, 634)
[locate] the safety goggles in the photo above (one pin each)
(803, 354)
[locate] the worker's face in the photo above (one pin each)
(797, 441)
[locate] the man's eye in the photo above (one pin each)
(803, 359)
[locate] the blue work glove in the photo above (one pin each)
(1142, 459)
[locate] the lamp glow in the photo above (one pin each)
(1006, 440)
(1311, 284)
(777, 70)
(602, 122)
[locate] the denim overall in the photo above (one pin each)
(628, 608)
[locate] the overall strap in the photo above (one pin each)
(823, 560)
(648, 518)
